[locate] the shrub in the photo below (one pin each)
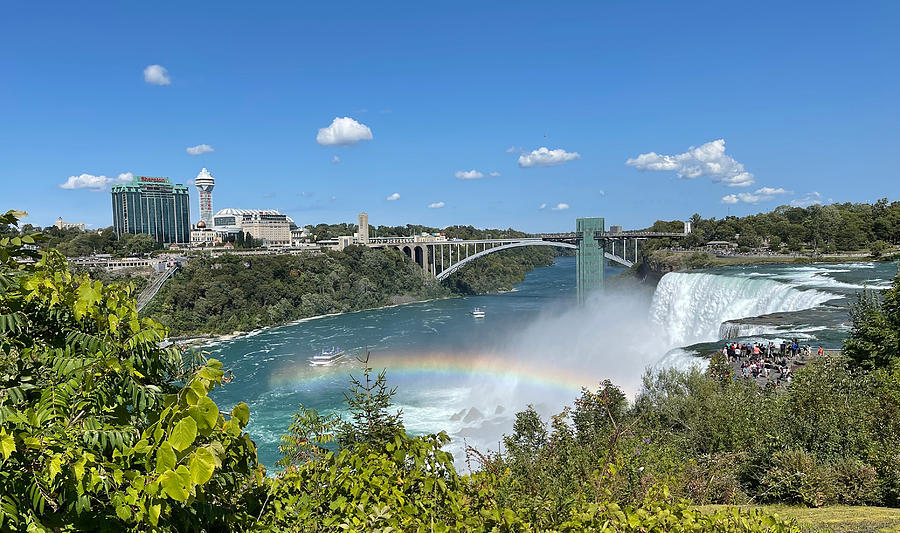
(855, 483)
(794, 476)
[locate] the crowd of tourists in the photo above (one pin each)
(769, 361)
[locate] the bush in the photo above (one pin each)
(855, 483)
(794, 476)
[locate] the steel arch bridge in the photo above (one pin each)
(507, 245)
(439, 259)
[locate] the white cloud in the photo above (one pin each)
(97, 183)
(199, 149)
(601, 193)
(543, 206)
(513, 149)
(343, 131)
(468, 174)
(705, 160)
(772, 191)
(560, 207)
(335, 159)
(759, 195)
(544, 157)
(436, 205)
(395, 196)
(494, 174)
(157, 75)
(807, 200)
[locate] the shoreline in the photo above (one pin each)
(201, 341)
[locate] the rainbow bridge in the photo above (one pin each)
(594, 245)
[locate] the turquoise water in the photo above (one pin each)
(536, 346)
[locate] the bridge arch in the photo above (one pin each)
(444, 274)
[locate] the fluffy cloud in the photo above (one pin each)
(730, 199)
(759, 195)
(705, 160)
(513, 149)
(157, 75)
(560, 207)
(544, 157)
(807, 200)
(468, 174)
(436, 205)
(395, 196)
(494, 174)
(335, 159)
(199, 149)
(97, 183)
(772, 191)
(343, 131)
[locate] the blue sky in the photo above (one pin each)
(804, 95)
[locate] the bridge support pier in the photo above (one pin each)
(590, 256)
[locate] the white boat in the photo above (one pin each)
(477, 313)
(326, 357)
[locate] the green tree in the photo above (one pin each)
(372, 419)
(874, 339)
(101, 428)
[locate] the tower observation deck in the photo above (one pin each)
(205, 183)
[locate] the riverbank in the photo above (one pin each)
(651, 268)
(200, 341)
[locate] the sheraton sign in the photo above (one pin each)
(153, 180)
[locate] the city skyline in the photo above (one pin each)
(615, 110)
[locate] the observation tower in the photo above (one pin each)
(205, 184)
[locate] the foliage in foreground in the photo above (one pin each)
(102, 429)
(385, 480)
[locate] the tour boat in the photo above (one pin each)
(477, 313)
(326, 357)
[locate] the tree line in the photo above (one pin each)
(818, 228)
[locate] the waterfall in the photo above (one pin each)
(691, 307)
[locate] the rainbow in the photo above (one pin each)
(416, 366)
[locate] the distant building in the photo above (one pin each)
(62, 224)
(203, 236)
(267, 225)
(271, 228)
(154, 206)
(205, 184)
(299, 236)
(363, 233)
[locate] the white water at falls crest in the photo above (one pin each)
(690, 307)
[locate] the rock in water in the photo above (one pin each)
(474, 414)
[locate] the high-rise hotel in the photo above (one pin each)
(155, 206)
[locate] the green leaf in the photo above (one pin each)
(176, 483)
(7, 445)
(154, 514)
(241, 413)
(205, 413)
(123, 512)
(201, 465)
(165, 457)
(183, 434)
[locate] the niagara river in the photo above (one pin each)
(535, 346)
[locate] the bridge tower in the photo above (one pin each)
(590, 256)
